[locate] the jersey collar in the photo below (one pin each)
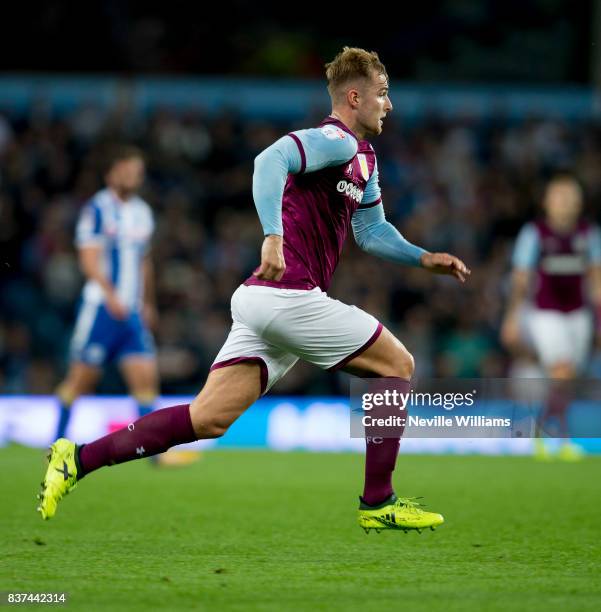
(117, 199)
(329, 120)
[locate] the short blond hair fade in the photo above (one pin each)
(352, 63)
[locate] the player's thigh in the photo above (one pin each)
(386, 357)
(245, 345)
(94, 336)
(581, 331)
(551, 337)
(227, 393)
(334, 335)
(309, 324)
(135, 346)
(140, 373)
(245, 368)
(81, 378)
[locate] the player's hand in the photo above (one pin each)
(115, 306)
(443, 263)
(510, 333)
(150, 316)
(272, 265)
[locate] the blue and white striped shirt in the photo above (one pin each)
(123, 230)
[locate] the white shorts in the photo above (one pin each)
(562, 336)
(277, 327)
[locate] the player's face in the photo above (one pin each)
(563, 202)
(126, 176)
(374, 104)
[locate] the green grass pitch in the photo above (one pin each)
(255, 530)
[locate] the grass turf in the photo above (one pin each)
(272, 531)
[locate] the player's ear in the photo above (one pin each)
(352, 97)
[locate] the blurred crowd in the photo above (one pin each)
(539, 41)
(463, 186)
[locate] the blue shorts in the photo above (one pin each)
(99, 338)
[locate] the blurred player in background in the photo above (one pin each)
(117, 306)
(550, 304)
(310, 187)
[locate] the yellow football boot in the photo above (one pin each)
(61, 476)
(541, 450)
(397, 513)
(570, 452)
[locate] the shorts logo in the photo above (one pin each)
(95, 353)
(333, 133)
(351, 190)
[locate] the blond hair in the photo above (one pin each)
(352, 63)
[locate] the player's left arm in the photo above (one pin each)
(377, 236)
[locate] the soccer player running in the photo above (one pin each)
(310, 187)
(552, 258)
(113, 236)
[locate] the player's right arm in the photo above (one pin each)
(298, 152)
(377, 236)
(525, 257)
(89, 240)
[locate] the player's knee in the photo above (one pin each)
(562, 371)
(404, 365)
(398, 364)
(210, 427)
(401, 361)
(67, 393)
(145, 397)
(205, 424)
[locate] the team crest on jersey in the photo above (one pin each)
(363, 165)
(551, 244)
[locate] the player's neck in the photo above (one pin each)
(562, 227)
(350, 122)
(121, 196)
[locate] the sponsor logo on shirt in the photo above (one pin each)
(563, 265)
(351, 190)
